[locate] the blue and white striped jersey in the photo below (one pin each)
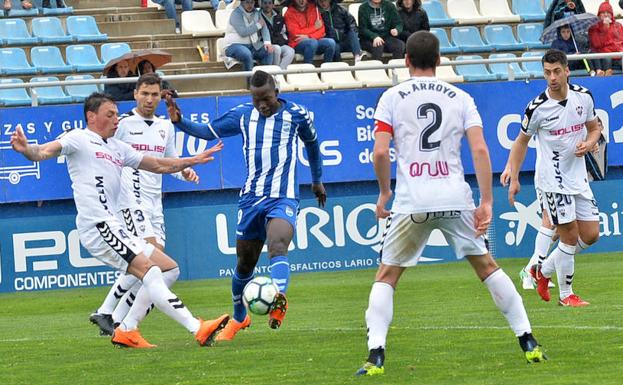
(270, 144)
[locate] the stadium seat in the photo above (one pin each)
(199, 23)
(84, 28)
(592, 6)
(498, 11)
(15, 32)
(447, 74)
(13, 62)
(400, 74)
(282, 84)
(50, 94)
(48, 60)
(468, 39)
(501, 38)
(220, 54)
(50, 30)
(528, 10)
(372, 77)
(83, 58)
(474, 72)
(18, 11)
(80, 92)
(501, 70)
(437, 16)
(618, 11)
(465, 12)
(306, 81)
(353, 9)
(529, 34)
(534, 68)
(112, 51)
(341, 79)
(14, 96)
(53, 10)
(445, 46)
(221, 18)
(546, 4)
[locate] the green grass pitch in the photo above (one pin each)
(446, 330)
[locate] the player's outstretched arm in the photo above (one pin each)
(172, 165)
(515, 160)
(198, 130)
(482, 166)
(382, 169)
(34, 152)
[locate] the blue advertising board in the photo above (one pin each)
(343, 120)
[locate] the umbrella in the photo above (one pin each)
(578, 23)
(156, 57)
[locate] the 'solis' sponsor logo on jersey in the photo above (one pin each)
(148, 148)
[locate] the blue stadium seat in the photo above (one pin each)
(529, 10)
(49, 30)
(546, 4)
(534, 68)
(437, 16)
(15, 32)
(50, 94)
(445, 46)
(501, 69)
(501, 38)
(13, 96)
(48, 60)
(80, 92)
(18, 11)
(468, 39)
(473, 72)
(83, 58)
(13, 62)
(114, 50)
(529, 34)
(84, 28)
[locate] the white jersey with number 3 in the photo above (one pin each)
(428, 118)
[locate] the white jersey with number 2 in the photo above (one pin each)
(427, 118)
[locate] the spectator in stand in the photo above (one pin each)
(283, 54)
(121, 91)
(413, 16)
(147, 67)
(216, 4)
(606, 36)
(379, 28)
(306, 31)
(565, 42)
(59, 4)
(559, 9)
(247, 37)
(25, 4)
(169, 9)
(340, 26)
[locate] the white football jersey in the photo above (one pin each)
(94, 166)
(428, 118)
(559, 126)
(154, 137)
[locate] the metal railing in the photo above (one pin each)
(238, 74)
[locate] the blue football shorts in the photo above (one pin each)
(254, 213)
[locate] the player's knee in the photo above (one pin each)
(590, 237)
(277, 247)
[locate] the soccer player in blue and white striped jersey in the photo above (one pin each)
(269, 199)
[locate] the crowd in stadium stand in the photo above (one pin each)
(26, 4)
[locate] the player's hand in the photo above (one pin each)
(320, 193)
(513, 189)
(381, 204)
(482, 218)
(190, 175)
(393, 32)
(582, 148)
(207, 155)
(19, 141)
(378, 41)
(505, 176)
(173, 109)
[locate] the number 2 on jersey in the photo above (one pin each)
(423, 113)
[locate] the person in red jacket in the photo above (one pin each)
(606, 36)
(306, 33)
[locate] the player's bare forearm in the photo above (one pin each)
(594, 133)
(484, 177)
(382, 163)
(517, 155)
(34, 152)
(166, 165)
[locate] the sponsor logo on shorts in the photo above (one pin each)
(289, 211)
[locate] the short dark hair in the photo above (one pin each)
(149, 79)
(553, 56)
(423, 50)
(261, 78)
(417, 4)
(93, 102)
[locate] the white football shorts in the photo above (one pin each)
(406, 235)
(145, 222)
(563, 208)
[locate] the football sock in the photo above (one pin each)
(565, 267)
(542, 243)
(379, 314)
(238, 282)
(508, 300)
(167, 302)
(280, 272)
(123, 283)
(561, 251)
(123, 307)
(581, 246)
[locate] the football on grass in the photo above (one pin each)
(259, 294)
